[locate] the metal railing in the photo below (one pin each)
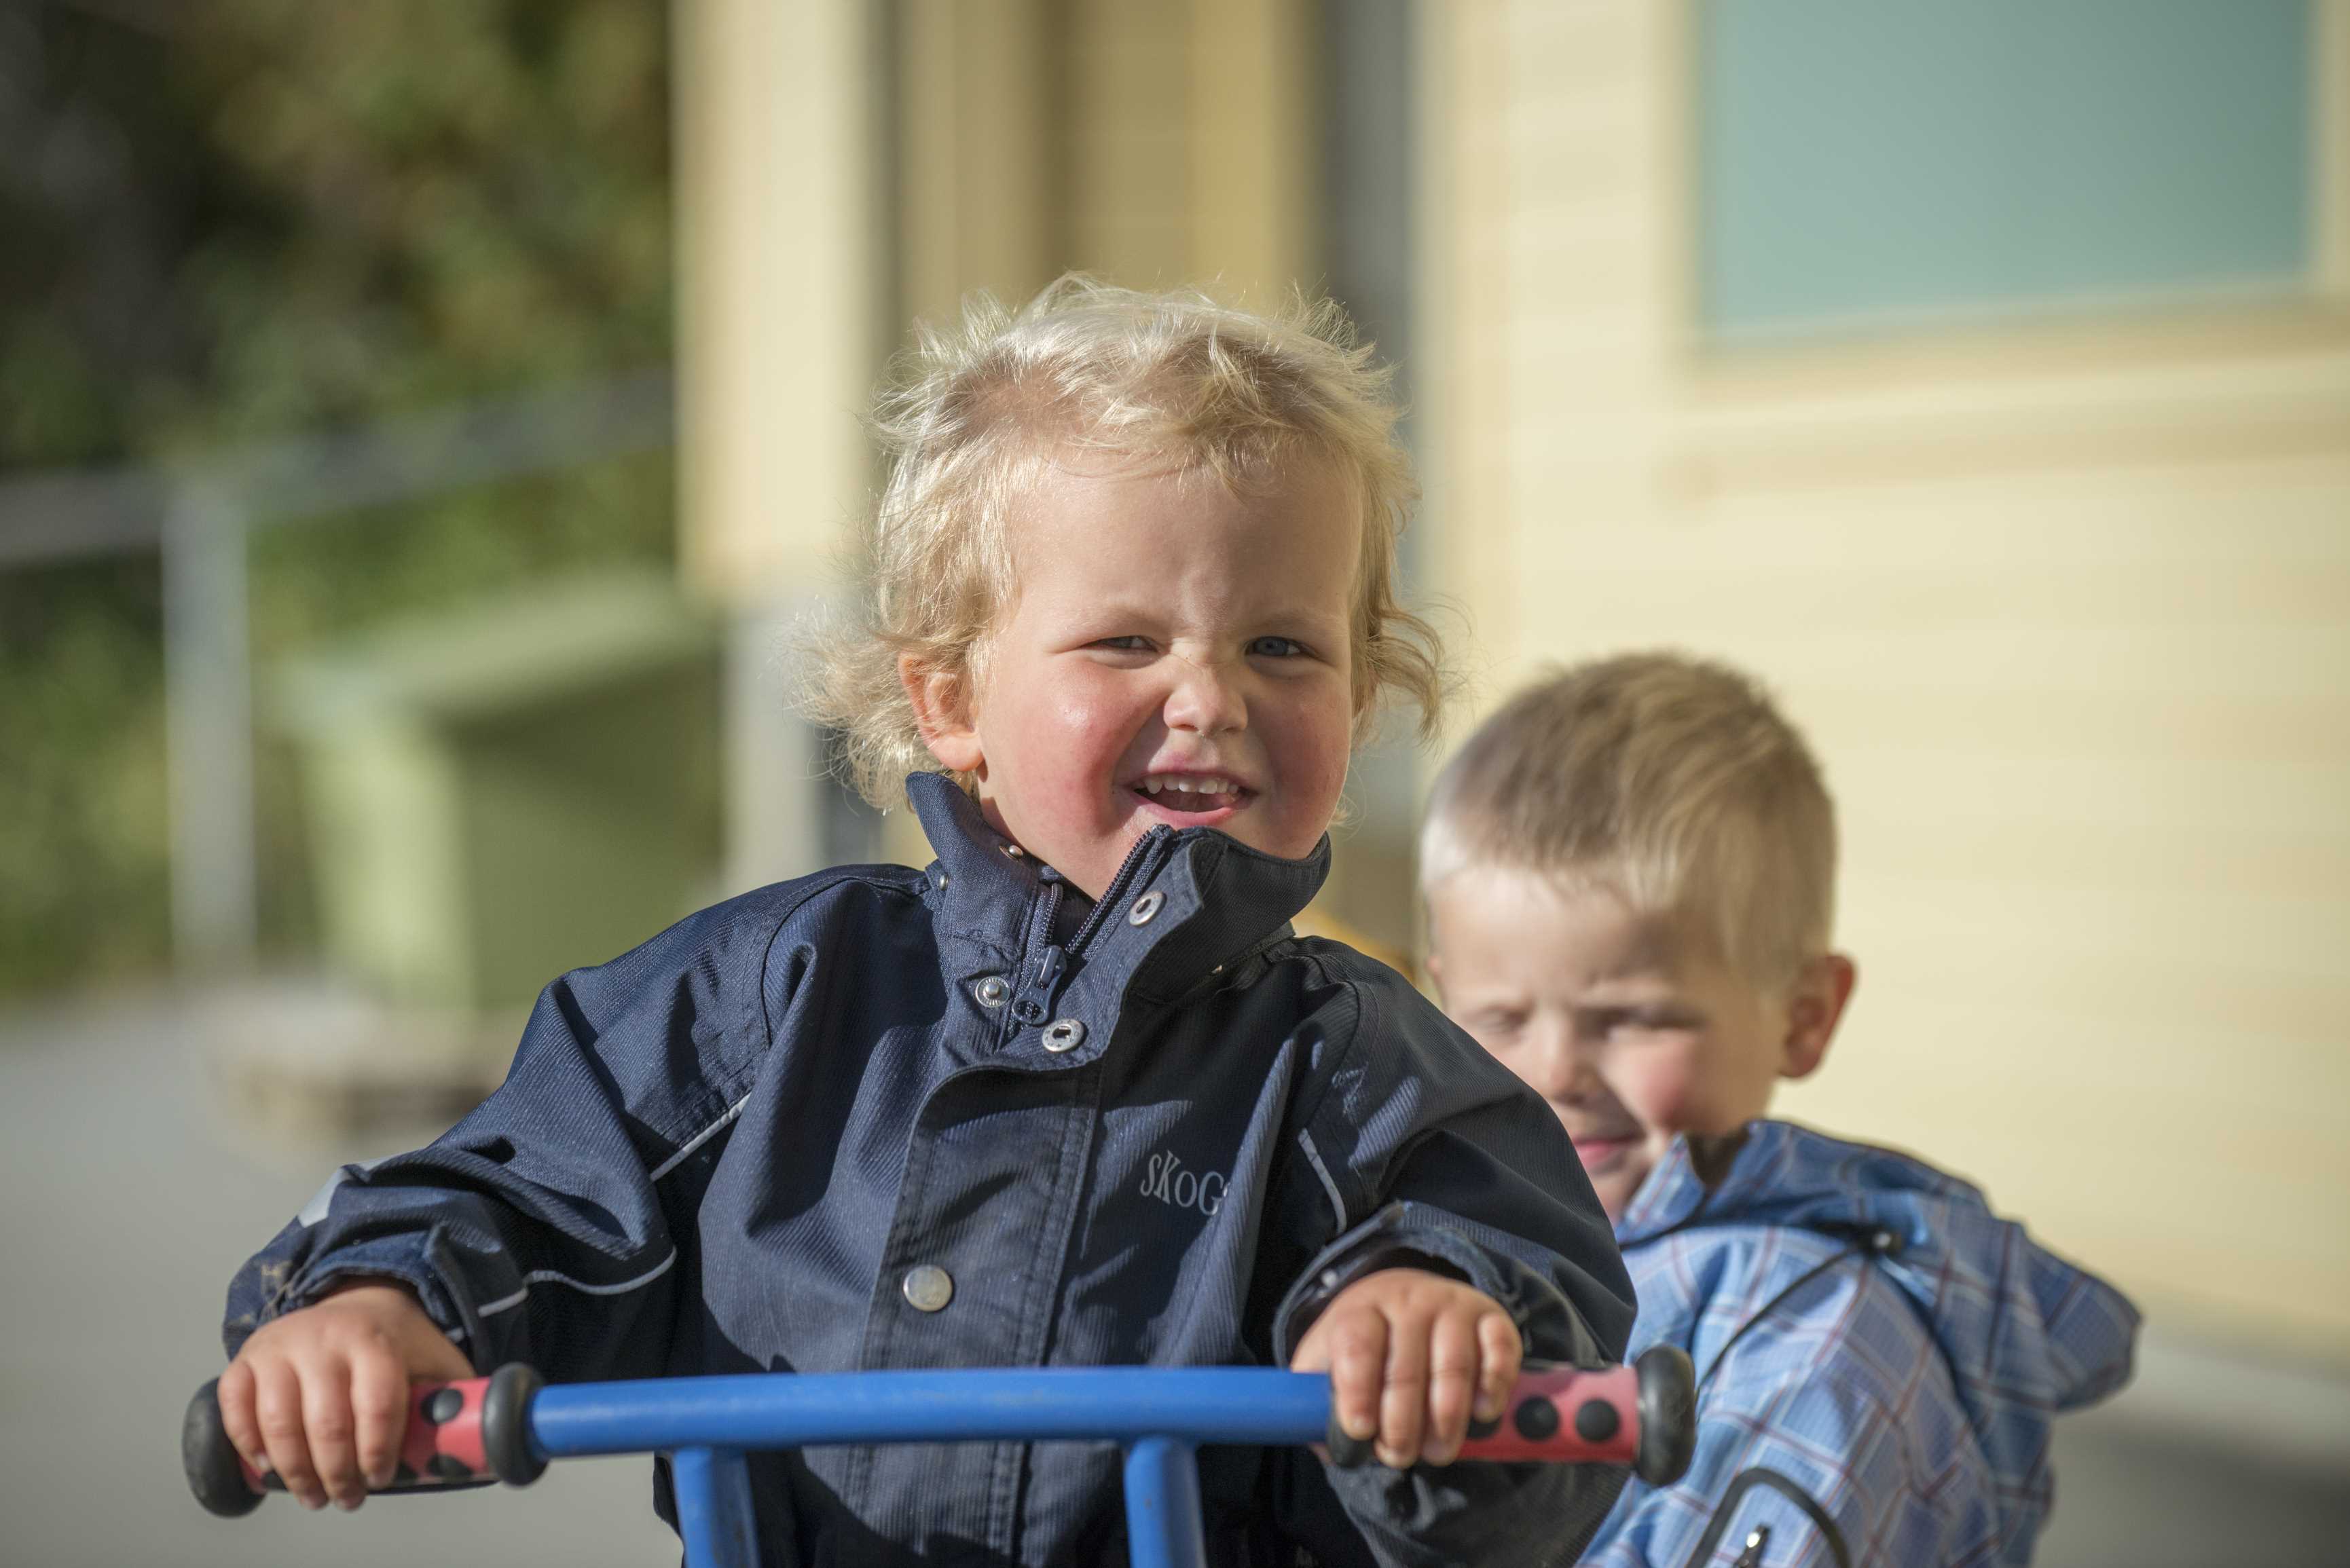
(199, 515)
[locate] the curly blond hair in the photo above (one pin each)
(974, 414)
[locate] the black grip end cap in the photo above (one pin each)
(506, 1424)
(1667, 1400)
(1346, 1452)
(210, 1459)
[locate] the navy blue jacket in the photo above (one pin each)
(1158, 1130)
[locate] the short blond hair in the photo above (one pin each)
(976, 413)
(1671, 781)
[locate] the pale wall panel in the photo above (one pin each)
(2067, 614)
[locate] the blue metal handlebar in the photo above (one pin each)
(509, 1425)
(760, 1410)
(1160, 1415)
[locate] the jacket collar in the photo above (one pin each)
(1217, 897)
(1674, 1195)
(1783, 1173)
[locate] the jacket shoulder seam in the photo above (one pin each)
(1364, 1010)
(730, 1099)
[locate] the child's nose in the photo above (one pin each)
(1561, 1070)
(1205, 698)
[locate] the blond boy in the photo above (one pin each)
(1070, 1094)
(1630, 876)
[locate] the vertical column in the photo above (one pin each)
(1253, 116)
(981, 152)
(1162, 1505)
(208, 693)
(785, 284)
(713, 1507)
(2329, 23)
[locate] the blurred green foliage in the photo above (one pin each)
(227, 220)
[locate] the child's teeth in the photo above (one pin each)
(1187, 785)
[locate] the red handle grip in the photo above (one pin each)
(1565, 1415)
(1643, 1415)
(467, 1433)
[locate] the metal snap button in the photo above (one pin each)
(938, 879)
(991, 991)
(1145, 906)
(927, 1287)
(1063, 1034)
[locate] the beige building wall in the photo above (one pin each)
(847, 167)
(1152, 146)
(2066, 612)
(783, 268)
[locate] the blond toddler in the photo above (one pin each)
(1071, 1094)
(1630, 875)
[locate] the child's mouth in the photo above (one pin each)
(1189, 800)
(1602, 1154)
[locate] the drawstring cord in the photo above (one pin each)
(1747, 1480)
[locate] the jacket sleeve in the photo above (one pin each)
(1854, 1409)
(1433, 1156)
(536, 1228)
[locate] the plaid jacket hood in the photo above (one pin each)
(1866, 1325)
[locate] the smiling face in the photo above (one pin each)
(1625, 1023)
(1176, 653)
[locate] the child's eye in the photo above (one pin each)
(1276, 647)
(1647, 1020)
(1496, 1025)
(1123, 644)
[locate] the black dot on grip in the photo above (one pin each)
(1536, 1419)
(1480, 1431)
(444, 1406)
(1596, 1421)
(451, 1468)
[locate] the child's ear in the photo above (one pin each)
(942, 714)
(1814, 1007)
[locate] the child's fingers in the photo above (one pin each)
(378, 1413)
(1403, 1403)
(1502, 1356)
(235, 1393)
(1454, 1359)
(1358, 1359)
(333, 1439)
(278, 1410)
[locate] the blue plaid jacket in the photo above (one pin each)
(1865, 1328)
(884, 1118)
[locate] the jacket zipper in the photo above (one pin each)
(1038, 995)
(1129, 871)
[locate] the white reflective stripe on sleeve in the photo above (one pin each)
(698, 1139)
(320, 1201)
(551, 1277)
(1313, 1157)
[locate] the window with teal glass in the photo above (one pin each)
(1873, 163)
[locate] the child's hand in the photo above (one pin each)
(1412, 1354)
(320, 1395)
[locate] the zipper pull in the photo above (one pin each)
(1034, 1002)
